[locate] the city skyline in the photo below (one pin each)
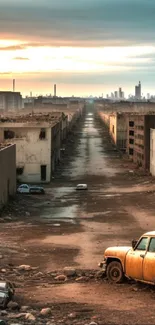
(85, 47)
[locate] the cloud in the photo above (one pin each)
(20, 58)
(70, 22)
(13, 47)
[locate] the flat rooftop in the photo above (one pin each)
(32, 117)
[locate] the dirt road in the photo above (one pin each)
(72, 228)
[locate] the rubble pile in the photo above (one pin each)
(21, 276)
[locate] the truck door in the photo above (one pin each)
(149, 262)
(135, 259)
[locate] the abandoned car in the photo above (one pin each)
(6, 293)
(136, 262)
(30, 189)
(82, 187)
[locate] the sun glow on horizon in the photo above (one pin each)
(45, 59)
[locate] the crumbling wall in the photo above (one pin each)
(33, 149)
(7, 173)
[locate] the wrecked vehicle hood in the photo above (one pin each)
(117, 251)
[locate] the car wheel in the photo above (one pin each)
(42, 192)
(115, 272)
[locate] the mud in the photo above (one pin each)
(66, 227)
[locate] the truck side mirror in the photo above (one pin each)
(134, 242)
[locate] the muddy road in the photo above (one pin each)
(66, 227)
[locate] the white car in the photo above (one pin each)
(25, 188)
(82, 187)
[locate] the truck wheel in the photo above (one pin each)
(115, 272)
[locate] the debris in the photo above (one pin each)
(24, 267)
(99, 274)
(21, 315)
(45, 311)
(24, 308)
(29, 316)
(8, 218)
(72, 315)
(13, 305)
(4, 313)
(61, 277)
(69, 271)
(3, 270)
(81, 278)
(27, 214)
(38, 275)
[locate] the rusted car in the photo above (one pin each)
(136, 262)
(6, 293)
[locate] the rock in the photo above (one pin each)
(134, 289)
(29, 316)
(1, 256)
(61, 277)
(3, 270)
(81, 279)
(13, 305)
(24, 308)
(93, 323)
(17, 315)
(8, 218)
(45, 311)
(38, 275)
(27, 214)
(72, 315)
(50, 323)
(24, 267)
(69, 271)
(99, 274)
(3, 313)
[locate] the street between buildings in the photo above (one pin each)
(72, 228)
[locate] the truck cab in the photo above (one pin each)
(136, 262)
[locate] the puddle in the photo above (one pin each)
(60, 213)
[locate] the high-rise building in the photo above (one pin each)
(116, 94)
(138, 91)
(120, 92)
(55, 90)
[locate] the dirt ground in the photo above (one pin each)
(66, 227)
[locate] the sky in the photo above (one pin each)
(85, 46)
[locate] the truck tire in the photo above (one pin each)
(115, 272)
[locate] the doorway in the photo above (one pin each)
(43, 172)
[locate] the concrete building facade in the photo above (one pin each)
(138, 144)
(37, 146)
(7, 173)
(152, 152)
(10, 101)
(118, 130)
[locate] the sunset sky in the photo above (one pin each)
(85, 46)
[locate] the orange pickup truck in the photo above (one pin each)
(136, 262)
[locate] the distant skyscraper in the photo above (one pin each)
(138, 91)
(13, 85)
(116, 94)
(120, 92)
(55, 90)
